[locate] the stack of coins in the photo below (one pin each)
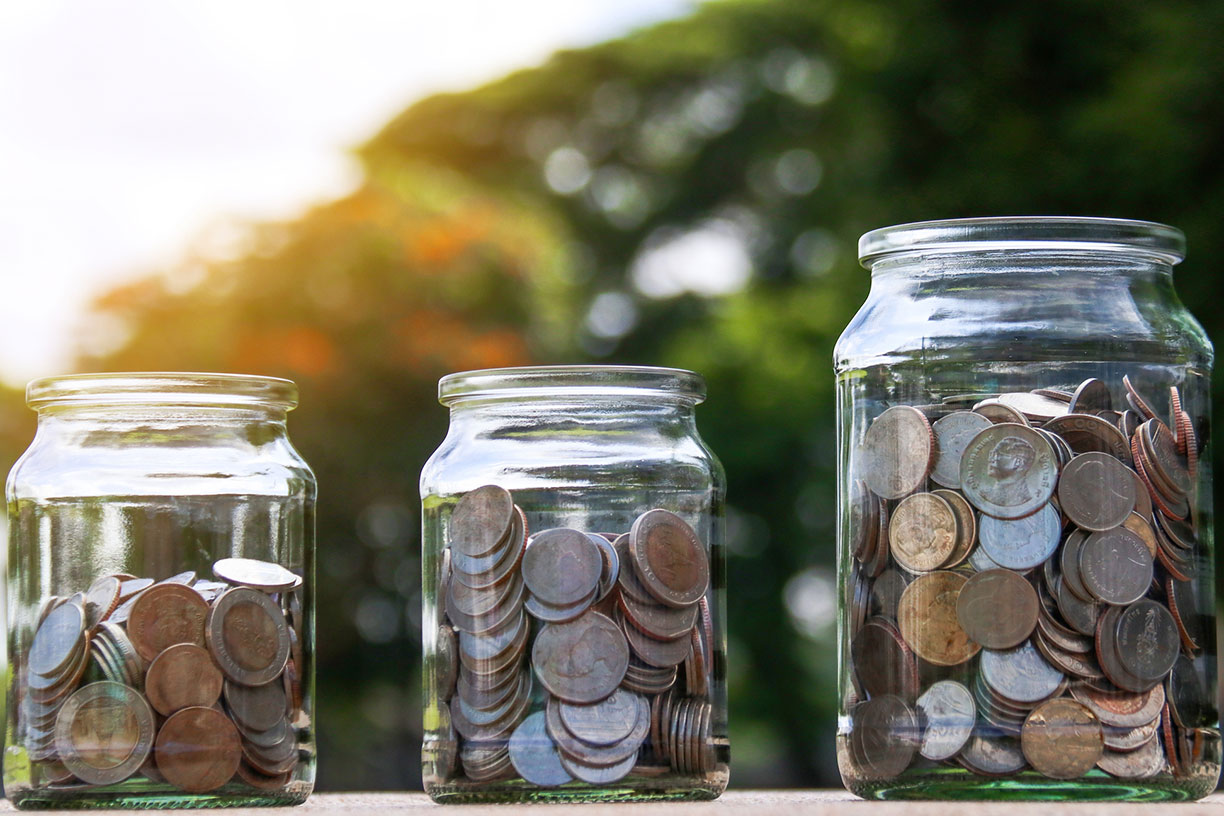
(127, 677)
(1024, 590)
(485, 594)
(616, 616)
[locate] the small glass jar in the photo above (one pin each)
(1025, 547)
(574, 578)
(161, 607)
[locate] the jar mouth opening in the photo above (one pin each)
(177, 388)
(675, 384)
(1042, 233)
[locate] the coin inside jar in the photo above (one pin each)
(582, 661)
(183, 675)
(928, 621)
(248, 635)
(198, 749)
(1096, 491)
(997, 609)
(164, 615)
(104, 732)
(1062, 739)
(561, 567)
(670, 559)
(481, 520)
(898, 450)
(922, 532)
(1008, 471)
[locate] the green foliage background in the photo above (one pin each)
(794, 125)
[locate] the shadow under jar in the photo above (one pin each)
(161, 609)
(574, 582)
(1025, 548)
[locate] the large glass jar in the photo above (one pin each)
(161, 602)
(1025, 543)
(573, 562)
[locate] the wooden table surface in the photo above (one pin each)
(733, 803)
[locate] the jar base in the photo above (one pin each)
(628, 790)
(955, 784)
(111, 798)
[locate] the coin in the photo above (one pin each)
(57, 640)
(952, 434)
(101, 600)
(1062, 739)
(1122, 709)
(1107, 653)
(1035, 407)
(597, 755)
(1096, 491)
(992, 754)
(885, 736)
(898, 452)
(999, 413)
(1147, 640)
(948, 713)
(562, 567)
(164, 615)
(582, 661)
(1021, 674)
(481, 521)
(883, 661)
(198, 749)
(446, 658)
(1008, 471)
(670, 560)
(922, 532)
(1021, 544)
(606, 722)
(250, 572)
(1084, 433)
(256, 708)
(248, 635)
(1091, 395)
(928, 622)
(596, 775)
(1189, 703)
(104, 732)
(1144, 763)
(182, 675)
(997, 609)
(886, 592)
(534, 754)
(1115, 566)
(966, 527)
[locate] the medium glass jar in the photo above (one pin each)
(1025, 547)
(161, 602)
(574, 576)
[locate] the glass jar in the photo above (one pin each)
(1025, 543)
(161, 606)
(574, 578)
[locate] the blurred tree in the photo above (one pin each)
(688, 195)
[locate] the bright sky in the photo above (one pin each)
(130, 128)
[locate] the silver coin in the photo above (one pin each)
(981, 561)
(57, 640)
(897, 452)
(993, 754)
(952, 434)
(1035, 407)
(1021, 674)
(1115, 566)
(949, 713)
(604, 723)
(1096, 491)
(534, 754)
(1146, 762)
(1009, 471)
(252, 572)
(1023, 543)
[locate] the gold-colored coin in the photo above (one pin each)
(1062, 739)
(922, 532)
(927, 619)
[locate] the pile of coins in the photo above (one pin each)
(615, 619)
(192, 683)
(1025, 587)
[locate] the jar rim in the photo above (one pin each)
(1034, 232)
(163, 388)
(591, 380)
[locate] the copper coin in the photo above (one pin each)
(886, 592)
(481, 521)
(1140, 527)
(922, 532)
(1096, 491)
(883, 661)
(663, 654)
(928, 622)
(497, 567)
(582, 661)
(1122, 709)
(1168, 463)
(1062, 739)
(952, 434)
(164, 615)
(1009, 471)
(1084, 433)
(898, 452)
(1144, 763)
(657, 621)
(198, 749)
(182, 675)
(104, 732)
(670, 560)
(997, 608)
(562, 567)
(1115, 566)
(248, 635)
(606, 722)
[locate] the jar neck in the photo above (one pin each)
(1005, 268)
(161, 425)
(558, 411)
